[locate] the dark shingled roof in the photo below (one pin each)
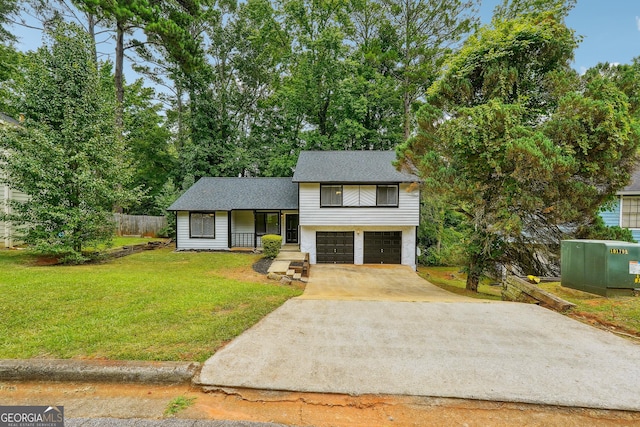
(349, 167)
(634, 183)
(225, 194)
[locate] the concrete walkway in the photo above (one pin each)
(487, 351)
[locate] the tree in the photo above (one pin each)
(165, 23)
(65, 157)
(148, 142)
(521, 145)
(426, 32)
(9, 57)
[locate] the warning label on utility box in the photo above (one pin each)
(634, 267)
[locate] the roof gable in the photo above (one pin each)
(225, 194)
(349, 167)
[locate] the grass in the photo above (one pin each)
(178, 404)
(155, 305)
(450, 279)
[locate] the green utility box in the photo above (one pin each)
(603, 267)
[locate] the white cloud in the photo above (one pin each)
(638, 22)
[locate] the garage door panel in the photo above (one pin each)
(383, 247)
(334, 247)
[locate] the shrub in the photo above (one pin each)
(271, 244)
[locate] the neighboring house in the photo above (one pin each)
(7, 194)
(626, 211)
(349, 207)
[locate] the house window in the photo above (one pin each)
(202, 225)
(387, 195)
(331, 195)
(631, 212)
(267, 223)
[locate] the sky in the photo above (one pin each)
(610, 31)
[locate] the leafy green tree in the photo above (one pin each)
(520, 144)
(9, 58)
(426, 31)
(166, 23)
(65, 157)
(7, 9)
(148, 142)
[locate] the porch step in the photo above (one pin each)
(279, 267)
(294, 265)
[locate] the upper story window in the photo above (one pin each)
(630, 212)
(387, 195)
(330, 195)
(202, 225)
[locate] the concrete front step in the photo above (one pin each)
(279, 267)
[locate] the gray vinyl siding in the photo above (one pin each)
(185, 242)
(407, 213)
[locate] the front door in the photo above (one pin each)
(292, 222)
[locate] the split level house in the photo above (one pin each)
(626, 210)
(350, 207)
(7, 194)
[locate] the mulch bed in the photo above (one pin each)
(262, 266)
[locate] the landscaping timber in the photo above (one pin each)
(517, 289)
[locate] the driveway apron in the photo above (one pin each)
(362, 335)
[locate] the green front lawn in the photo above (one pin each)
(155, 305)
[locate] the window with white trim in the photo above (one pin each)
(202, 225)
(630, 212)
(330, 195)
(387, 195)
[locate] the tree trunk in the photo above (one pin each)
(118, 78)
(473, 275)
(91, 20)
(407, 112)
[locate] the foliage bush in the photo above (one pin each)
(271, 244)
(598, 230)
(441, 236)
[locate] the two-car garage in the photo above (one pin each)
(379, 247)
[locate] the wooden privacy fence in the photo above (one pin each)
(139, 225)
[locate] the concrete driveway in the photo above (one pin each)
(442, 348)
(373, 283)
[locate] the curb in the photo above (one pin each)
(98, 371)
